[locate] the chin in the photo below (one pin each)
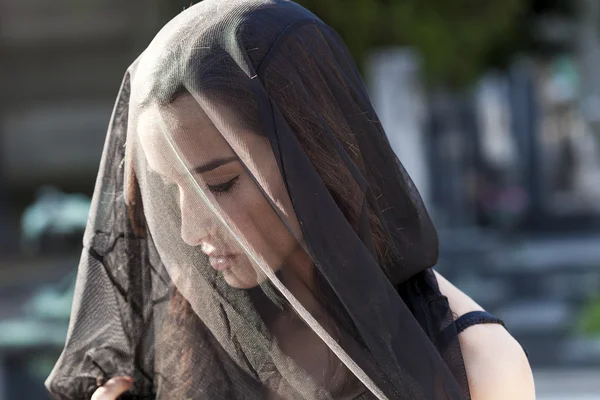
(246, 282)
(244, 275)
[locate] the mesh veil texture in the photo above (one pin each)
(252, 234)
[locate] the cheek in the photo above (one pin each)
(260, 225)
(283, 203)
(272, 223)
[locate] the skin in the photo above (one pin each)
(496, 365)
(216, 167)
(214, 157)
(113, 388)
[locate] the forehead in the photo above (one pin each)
(183, 127)
(182, 119)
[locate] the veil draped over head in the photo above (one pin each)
(252, 234)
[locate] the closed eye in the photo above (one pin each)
(223, 188)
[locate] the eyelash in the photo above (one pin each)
(223, 188)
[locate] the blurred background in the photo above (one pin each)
(493, 107)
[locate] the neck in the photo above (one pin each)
(299, 277)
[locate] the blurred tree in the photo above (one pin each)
(455, 38)
(589, 319)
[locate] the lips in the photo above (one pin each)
(221, 263)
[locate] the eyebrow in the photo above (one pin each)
(209, 166)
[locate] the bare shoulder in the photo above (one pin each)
(497, 367)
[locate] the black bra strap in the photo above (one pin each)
(475, 318)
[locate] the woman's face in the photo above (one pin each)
(217, 171)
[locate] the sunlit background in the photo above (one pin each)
(493, 106)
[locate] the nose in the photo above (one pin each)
(197, 221)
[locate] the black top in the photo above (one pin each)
(463, 322)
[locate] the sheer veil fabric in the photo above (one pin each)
(252, 234)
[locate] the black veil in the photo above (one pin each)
(252, 234)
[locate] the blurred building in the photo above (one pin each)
(511, 178)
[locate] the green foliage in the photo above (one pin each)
(456, 38)
(589, 321)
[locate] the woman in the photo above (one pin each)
(253, 235)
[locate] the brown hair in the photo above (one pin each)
(297, 108)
